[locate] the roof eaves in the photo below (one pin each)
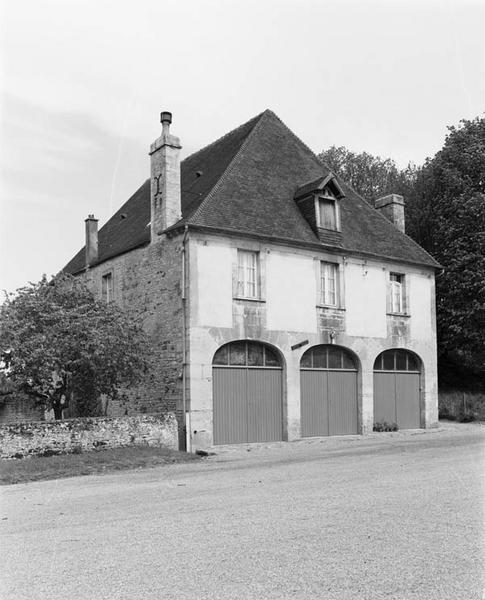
(438, 266)
(382, 216)
(105, 258)
(433, 264)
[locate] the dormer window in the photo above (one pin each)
(319, 202)
(328, 213)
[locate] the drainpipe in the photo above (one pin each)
(184, 344)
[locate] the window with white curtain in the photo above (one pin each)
(247, 274)
(328, 283)
(397, 296)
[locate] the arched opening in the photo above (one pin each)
(328, 376)
(247, 380)
(397, 374)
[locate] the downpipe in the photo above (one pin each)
(185, 417)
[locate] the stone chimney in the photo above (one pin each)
(91, 240)
(392, 207)
(166, 208)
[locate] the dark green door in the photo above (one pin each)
(396, 389)
(247, 394)
(328, 392)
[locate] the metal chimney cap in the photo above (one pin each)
(166, 117)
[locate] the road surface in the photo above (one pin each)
(395, 516)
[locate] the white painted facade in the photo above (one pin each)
(288, 313)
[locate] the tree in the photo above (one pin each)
(56, 339)
(448, 203)
(445, 214)
(370, 176)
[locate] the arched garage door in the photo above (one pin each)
(247, 391)
(396, 389)
(328, 392)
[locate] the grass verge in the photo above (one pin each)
(89, 463)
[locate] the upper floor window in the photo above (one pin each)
(397, 293)
(107, 292)
(328, 283)
(328, 210)
(328, 213)
(247, 274)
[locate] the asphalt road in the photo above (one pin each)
(395, 516)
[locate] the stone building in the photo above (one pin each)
(280, 304)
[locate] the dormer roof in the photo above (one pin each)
(317, 186)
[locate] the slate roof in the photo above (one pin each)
(245, 182)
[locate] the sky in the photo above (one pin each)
(82, 84)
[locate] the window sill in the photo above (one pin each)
(243, 299)
(325, 229)
(330, 307)
(393, 314)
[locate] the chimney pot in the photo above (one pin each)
(166, 116)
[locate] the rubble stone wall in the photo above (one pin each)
(21, 440)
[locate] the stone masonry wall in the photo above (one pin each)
(147, 284)
(17, 407)
(22, 440)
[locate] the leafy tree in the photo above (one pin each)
(56, 338)
(448, 204)
(445, 214)
(370, 176)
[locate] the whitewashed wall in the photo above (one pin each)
(286, 316)
(290, 293)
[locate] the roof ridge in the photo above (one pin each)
(260, 119)
(231, 132)
(313, 155)
(230, 166)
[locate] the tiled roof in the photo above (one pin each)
(245, 182)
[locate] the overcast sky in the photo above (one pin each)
(83, 83)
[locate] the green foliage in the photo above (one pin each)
(461, 406)
(445, 214)
(449, 205)
(6, 386)
(57, 338)
(370, 176)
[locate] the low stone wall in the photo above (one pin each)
(21, 440)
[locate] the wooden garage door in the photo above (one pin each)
(396, 389)
(328, 392)
(247, 392)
